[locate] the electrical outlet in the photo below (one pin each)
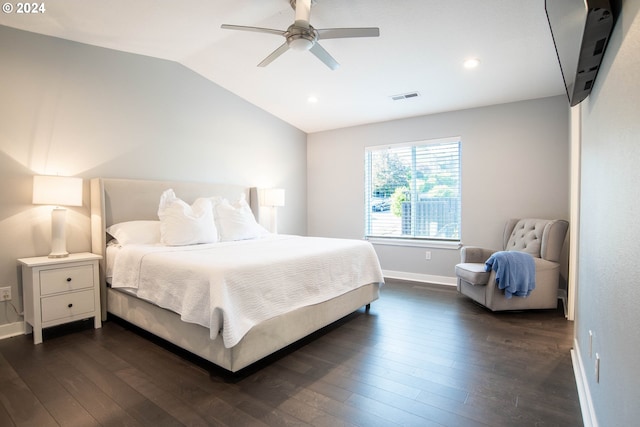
(5, 293)
(427, 255)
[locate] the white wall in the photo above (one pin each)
(79, 110)
(515, 163)
(608, 300)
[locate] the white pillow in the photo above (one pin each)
(236, 221)
(136, 232)
(181, 224)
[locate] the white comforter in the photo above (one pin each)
(229, 287)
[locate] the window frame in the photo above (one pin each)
(411, 239)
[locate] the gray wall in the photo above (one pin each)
(608, 300)
(78, 110)
(515, 163)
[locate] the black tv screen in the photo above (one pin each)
(580, 30)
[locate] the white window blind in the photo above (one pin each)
(412, 190)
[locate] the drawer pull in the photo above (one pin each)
(68, 279)
(70, 305)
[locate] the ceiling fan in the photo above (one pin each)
(302, 36)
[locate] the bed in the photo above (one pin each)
(231, 337)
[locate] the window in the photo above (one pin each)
(412, 190)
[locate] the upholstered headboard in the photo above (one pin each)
(119, 200)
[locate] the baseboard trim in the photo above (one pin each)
(9, 330)
(586, 404)
(417, 277)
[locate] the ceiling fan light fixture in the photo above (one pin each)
(300, 44)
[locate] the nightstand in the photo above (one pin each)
(60, 290)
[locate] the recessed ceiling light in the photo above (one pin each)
(471, 63)
(312, 99)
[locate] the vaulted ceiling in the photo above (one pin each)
(421, 49)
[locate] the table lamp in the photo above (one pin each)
(57, 191)
(273, 198)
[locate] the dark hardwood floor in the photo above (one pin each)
(423, 356)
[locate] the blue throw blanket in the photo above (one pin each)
(515, 272)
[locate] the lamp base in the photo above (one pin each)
(58, 236)
(58, 255)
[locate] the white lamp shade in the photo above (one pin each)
(273, 197)
(57, 190)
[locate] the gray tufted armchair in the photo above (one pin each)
(541, 238)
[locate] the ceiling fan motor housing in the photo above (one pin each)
(300, 38)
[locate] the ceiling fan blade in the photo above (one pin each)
(303, 12)
(274, 55)
(324, 56)
(342, 33)
(254, 29)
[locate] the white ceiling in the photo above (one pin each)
(421, 47)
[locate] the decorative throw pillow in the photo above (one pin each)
(136, 232)
(184, 224)
(236, 221)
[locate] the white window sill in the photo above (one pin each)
(418, 243)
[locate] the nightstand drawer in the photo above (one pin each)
(65, 279)
(67, 305)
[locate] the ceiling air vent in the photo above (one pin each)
(405, 96)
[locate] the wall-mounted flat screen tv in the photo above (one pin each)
(580, 30)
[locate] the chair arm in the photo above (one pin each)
(475, 254)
